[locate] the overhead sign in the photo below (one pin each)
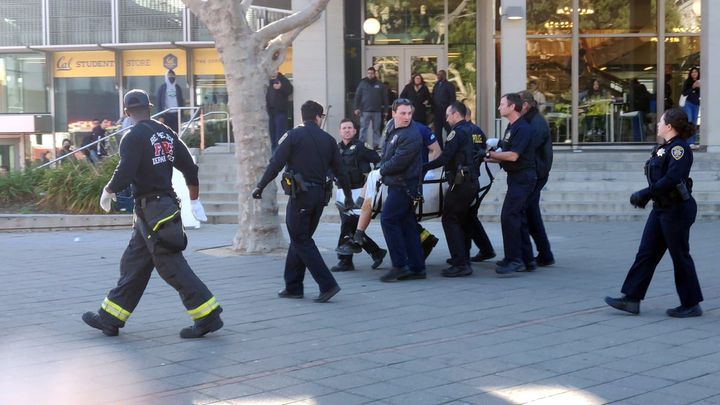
(206, 61)
(153, 62)
(84, 64)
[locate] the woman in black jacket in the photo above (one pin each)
(691, 90)
(417, 92)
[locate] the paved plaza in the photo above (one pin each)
(534, 338)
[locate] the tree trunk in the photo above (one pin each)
(258, 225)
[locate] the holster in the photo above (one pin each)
(328, 189)
(161, 225)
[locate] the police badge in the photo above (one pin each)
(677, 152)
(451, 135)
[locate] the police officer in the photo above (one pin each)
(401, 171)
(308, 152)
(462, 175)
(356, 158)
(543, 163)
(518, 160)
(148, 154)
(668, 226)
(477, 231)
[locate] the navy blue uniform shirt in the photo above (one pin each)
(668, 166)
(518, 138)
(148, 154)
(458, 150)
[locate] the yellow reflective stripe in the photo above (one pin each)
(115, 310)
(204, 309)
(162, 221)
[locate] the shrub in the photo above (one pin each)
(215, 131)
(76, 188)
(19, 187)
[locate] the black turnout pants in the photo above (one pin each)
(136, 266)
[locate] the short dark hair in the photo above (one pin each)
(402, 101)
(678, 119)
(514, 99)
(459, 107)
(311, 109)
(371, 68)
(344, 120)
(96, 119)
(527, 97)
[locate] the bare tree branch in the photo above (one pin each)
(214, 13)
(298, 20)
(456, 13)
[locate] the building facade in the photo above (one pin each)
(602, 69)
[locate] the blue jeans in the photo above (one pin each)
(278, 126)
(692, 110)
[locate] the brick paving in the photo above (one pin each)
(535, 338)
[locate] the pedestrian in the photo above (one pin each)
(518, 160)
(462, 175)
(543, 164)
(668, 225)
(148, 154)
(277, 100)
(691, 92)
(169, 97)
(401, 171)
(356, 159)
(443, 94)
(371, 99)
(308, 152)
(67, 149)
(417, 92)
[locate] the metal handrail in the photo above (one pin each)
(228, 119)
(182, 131)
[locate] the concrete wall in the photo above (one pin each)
(709, 68)
(318, 64)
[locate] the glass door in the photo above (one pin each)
(395, 65)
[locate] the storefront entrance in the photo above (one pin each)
(396, 64)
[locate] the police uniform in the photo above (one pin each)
(477, 231)
(521, 179)
(668, 226)
(148, 154)
(462, 175)
(356, 160)
(401, 171)
(543, 163)
(308, 151)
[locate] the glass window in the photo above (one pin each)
(81, 99)
(22, 83)
(681, 54)
(152, 84)
(548, 17)
(80, 22)
(682, 16)
(199, 30)
(462, 71)
(615, 16)
(20, 22)
(548, 72)
(151, 20)
(407, 22)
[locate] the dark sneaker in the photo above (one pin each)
(378, 258)
(544, 262)
(530, 266)
(624, 304)
(286, 294)
(349, 248)
(457, 271)
(343, 265)
(392, 275)
(481, 257)
(684, 312)
(203, 326)
(325, 296)
(412, 275)
(429, 244)
(94, 320)
(501, 263)
(510, 267)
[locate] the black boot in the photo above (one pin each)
(352, 246)
(624, 304)
(428, 242)
(378, 258)
(94, 320)
(345, 264)
(203, 326)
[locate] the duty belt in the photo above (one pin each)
(143, 199)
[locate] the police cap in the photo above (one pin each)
(136, 98)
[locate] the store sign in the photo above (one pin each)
(206, 61)
(153, 62)
(84, 64)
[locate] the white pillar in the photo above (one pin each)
(709, 66)
(513, 52)
(319, 64)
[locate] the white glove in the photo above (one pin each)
(105, 198)
(197, 210)
(492, 143)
